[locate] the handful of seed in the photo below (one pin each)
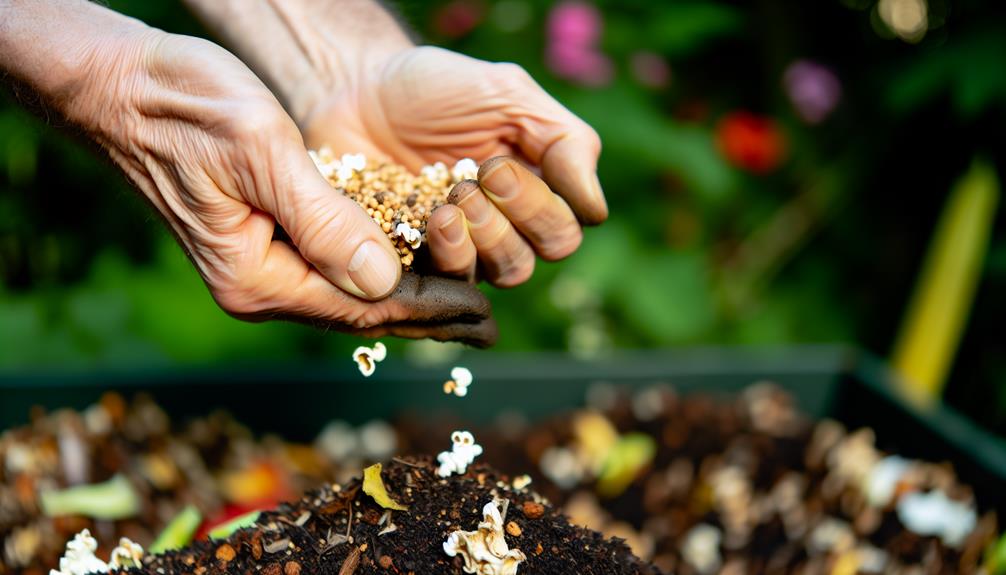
(399, 201)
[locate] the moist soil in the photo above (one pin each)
(338, 530)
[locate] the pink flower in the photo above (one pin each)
(574, 29)
(813, 89)
(585, 66)
(650, 69)
(574, 24)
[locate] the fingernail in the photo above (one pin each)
(476, 207)
(453, 229)
(501, 180)
(373, 270)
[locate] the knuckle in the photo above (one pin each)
(514, 76)
(366, 317)
(593, 140)
(256, 119)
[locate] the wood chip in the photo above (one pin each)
(351, 563)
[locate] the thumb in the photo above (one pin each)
(335, 235)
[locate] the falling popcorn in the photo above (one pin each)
(485, 550)
(367, 358)
(462, 454)
(458, 384)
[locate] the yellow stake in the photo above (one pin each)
(934, 323)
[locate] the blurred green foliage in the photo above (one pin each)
(823, 248)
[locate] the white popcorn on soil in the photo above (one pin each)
(485, 550)
(80, 558)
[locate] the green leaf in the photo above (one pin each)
(179, 532)
(227, 529)
(682, 28)
(629, 456)
(667, 297)
(632, 128)
(111, 500)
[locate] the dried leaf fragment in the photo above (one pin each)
(373, 485)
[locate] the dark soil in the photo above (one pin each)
(317, 527)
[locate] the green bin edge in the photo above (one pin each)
(296, 400)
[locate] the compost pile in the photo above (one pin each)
(693, 484)
(343, 530)
(152, 468)
(745, 485)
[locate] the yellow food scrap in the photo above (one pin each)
(373, 486)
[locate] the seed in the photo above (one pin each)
(533, 510)
(291, 568)
(225, 553)
(385, 562)
(513, 529)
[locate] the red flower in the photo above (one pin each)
(751, 142)
(458, 18)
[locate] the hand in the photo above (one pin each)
(421, 105)
(215, 153)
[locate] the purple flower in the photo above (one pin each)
(813, 89)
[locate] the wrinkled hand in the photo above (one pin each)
(213, 150)
(422, 105)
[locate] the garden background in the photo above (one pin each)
(775, 172)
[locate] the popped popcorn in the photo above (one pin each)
(126, 554)
(79, 558)
(462, 454)
(485, 550)
(367, 358)
(465, 169)
(458, 384)
(882, 482)
(936, 514)
(411, 235)
(701, 548)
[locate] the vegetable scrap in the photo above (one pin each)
(373, 486)
(179, 532)
(113, 499)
